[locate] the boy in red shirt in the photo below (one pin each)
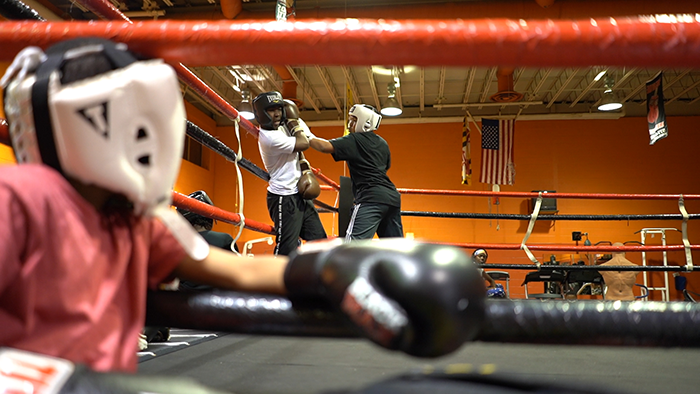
(88, 228)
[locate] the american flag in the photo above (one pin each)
(497, 137)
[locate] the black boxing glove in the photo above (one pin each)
(423, 299)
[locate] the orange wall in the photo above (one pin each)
(193, 177)
(591, 156)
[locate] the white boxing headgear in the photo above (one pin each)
(367, 118)
(122, 129)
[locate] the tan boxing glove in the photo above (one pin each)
(308, 186)
(292, 113)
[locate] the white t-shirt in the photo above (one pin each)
(280, 160)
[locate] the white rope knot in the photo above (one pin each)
(239, 154)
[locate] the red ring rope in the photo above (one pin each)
(635, 41)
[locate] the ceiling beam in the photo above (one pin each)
(350, 80)
(422, 90)
(373, 87)
(330, 86)
(563, 86)
(305, 88)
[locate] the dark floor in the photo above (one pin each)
(269, 365)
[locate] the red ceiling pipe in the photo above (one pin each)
(289, 85)
(231, 8)
(631, 41)
(106, 10)
(506, 91)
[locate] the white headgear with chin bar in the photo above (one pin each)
(122, 130)
(367, 118)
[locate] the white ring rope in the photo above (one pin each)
(531, 225)
(239, 176)
(686, 243)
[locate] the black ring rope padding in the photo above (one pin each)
(326, 206)
(607, 323)
(230, 311)
(219, 147)
(468, 215)
(654, 268)
(17, 10)
(590, 322)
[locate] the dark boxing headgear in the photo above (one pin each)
(262, 103)
(195, 218)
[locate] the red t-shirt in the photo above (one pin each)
(71, 287)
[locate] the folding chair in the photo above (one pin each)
(552, 277)
(583, 282)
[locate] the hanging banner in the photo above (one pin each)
(466, 154)
(656, 115)
(281, 11)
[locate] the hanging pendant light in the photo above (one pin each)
(391, 106)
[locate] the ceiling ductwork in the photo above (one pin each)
(231, 8)
(545, 3)
(506, 92)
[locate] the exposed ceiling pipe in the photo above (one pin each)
(506, 92)
(545, 3)
(231, 8)
(289, 85)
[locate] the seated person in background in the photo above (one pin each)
(619, 283)
(479, 257)
(203, 226)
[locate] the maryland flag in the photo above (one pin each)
(349, 103)
(466, 154)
